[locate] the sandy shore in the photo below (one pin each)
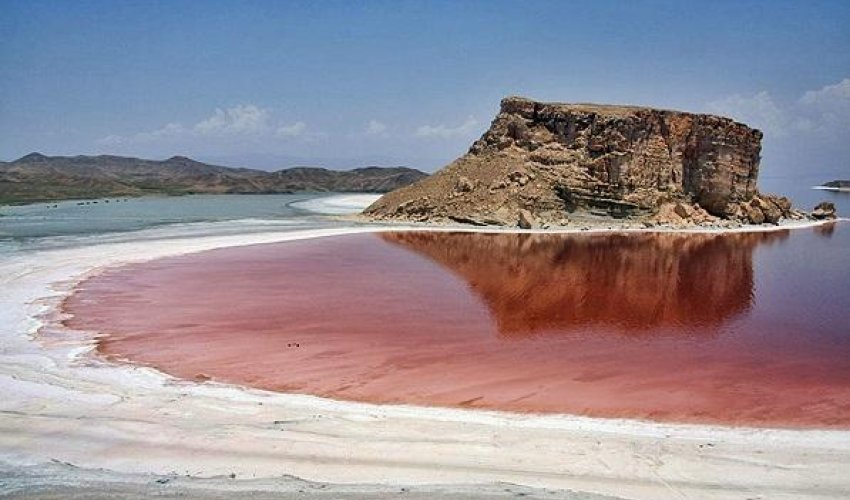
(594, 226)
(60, 404)
(337, 204)
(62, 481)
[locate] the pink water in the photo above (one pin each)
(745, 329)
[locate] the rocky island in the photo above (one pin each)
(551, 164)
(837, 185)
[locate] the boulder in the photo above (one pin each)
(683, 210)
(464, 185)
(783, 203)
(526, 220)
(519, 178)
(824, 210)
(770, 210)
(753, 214)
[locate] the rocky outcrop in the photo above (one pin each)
(824, 210)
(765, 208)
(561, 161)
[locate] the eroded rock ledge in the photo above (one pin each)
(558, 164)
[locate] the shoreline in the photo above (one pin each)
(180, 295)
(60, 480)
(56, 314)
(405, 433)
(833, 189)
(599, 228)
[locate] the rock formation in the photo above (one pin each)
(824, 210)
(545, 164)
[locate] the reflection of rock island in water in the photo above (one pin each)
(543, 283)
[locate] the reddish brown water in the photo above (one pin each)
(738, 329)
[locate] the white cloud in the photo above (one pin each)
(374, 127)
(759, 111)
(827, 110)
(824, 112)
(829, 95)
(111, 140)
(238, 120)
(444, 132)
(293, 130)
(241, 121)
(170, 130)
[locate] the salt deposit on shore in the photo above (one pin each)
(61, 404)
(338, 204)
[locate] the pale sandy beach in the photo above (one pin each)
(71, 419)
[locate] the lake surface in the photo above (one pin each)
(107, 215)
(745, 329)
(71, 223)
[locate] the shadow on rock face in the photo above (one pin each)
(635, 283)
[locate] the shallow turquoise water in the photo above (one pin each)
(71, 223)
(74, 217)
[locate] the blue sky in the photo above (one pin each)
(343, 84)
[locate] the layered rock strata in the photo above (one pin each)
(542, 163)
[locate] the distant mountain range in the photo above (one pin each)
(36, 177)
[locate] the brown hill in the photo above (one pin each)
(549, 162)
(36, 177)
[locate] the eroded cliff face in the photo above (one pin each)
(542, 162)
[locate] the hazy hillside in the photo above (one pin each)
(36, 177)
(840, 184)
